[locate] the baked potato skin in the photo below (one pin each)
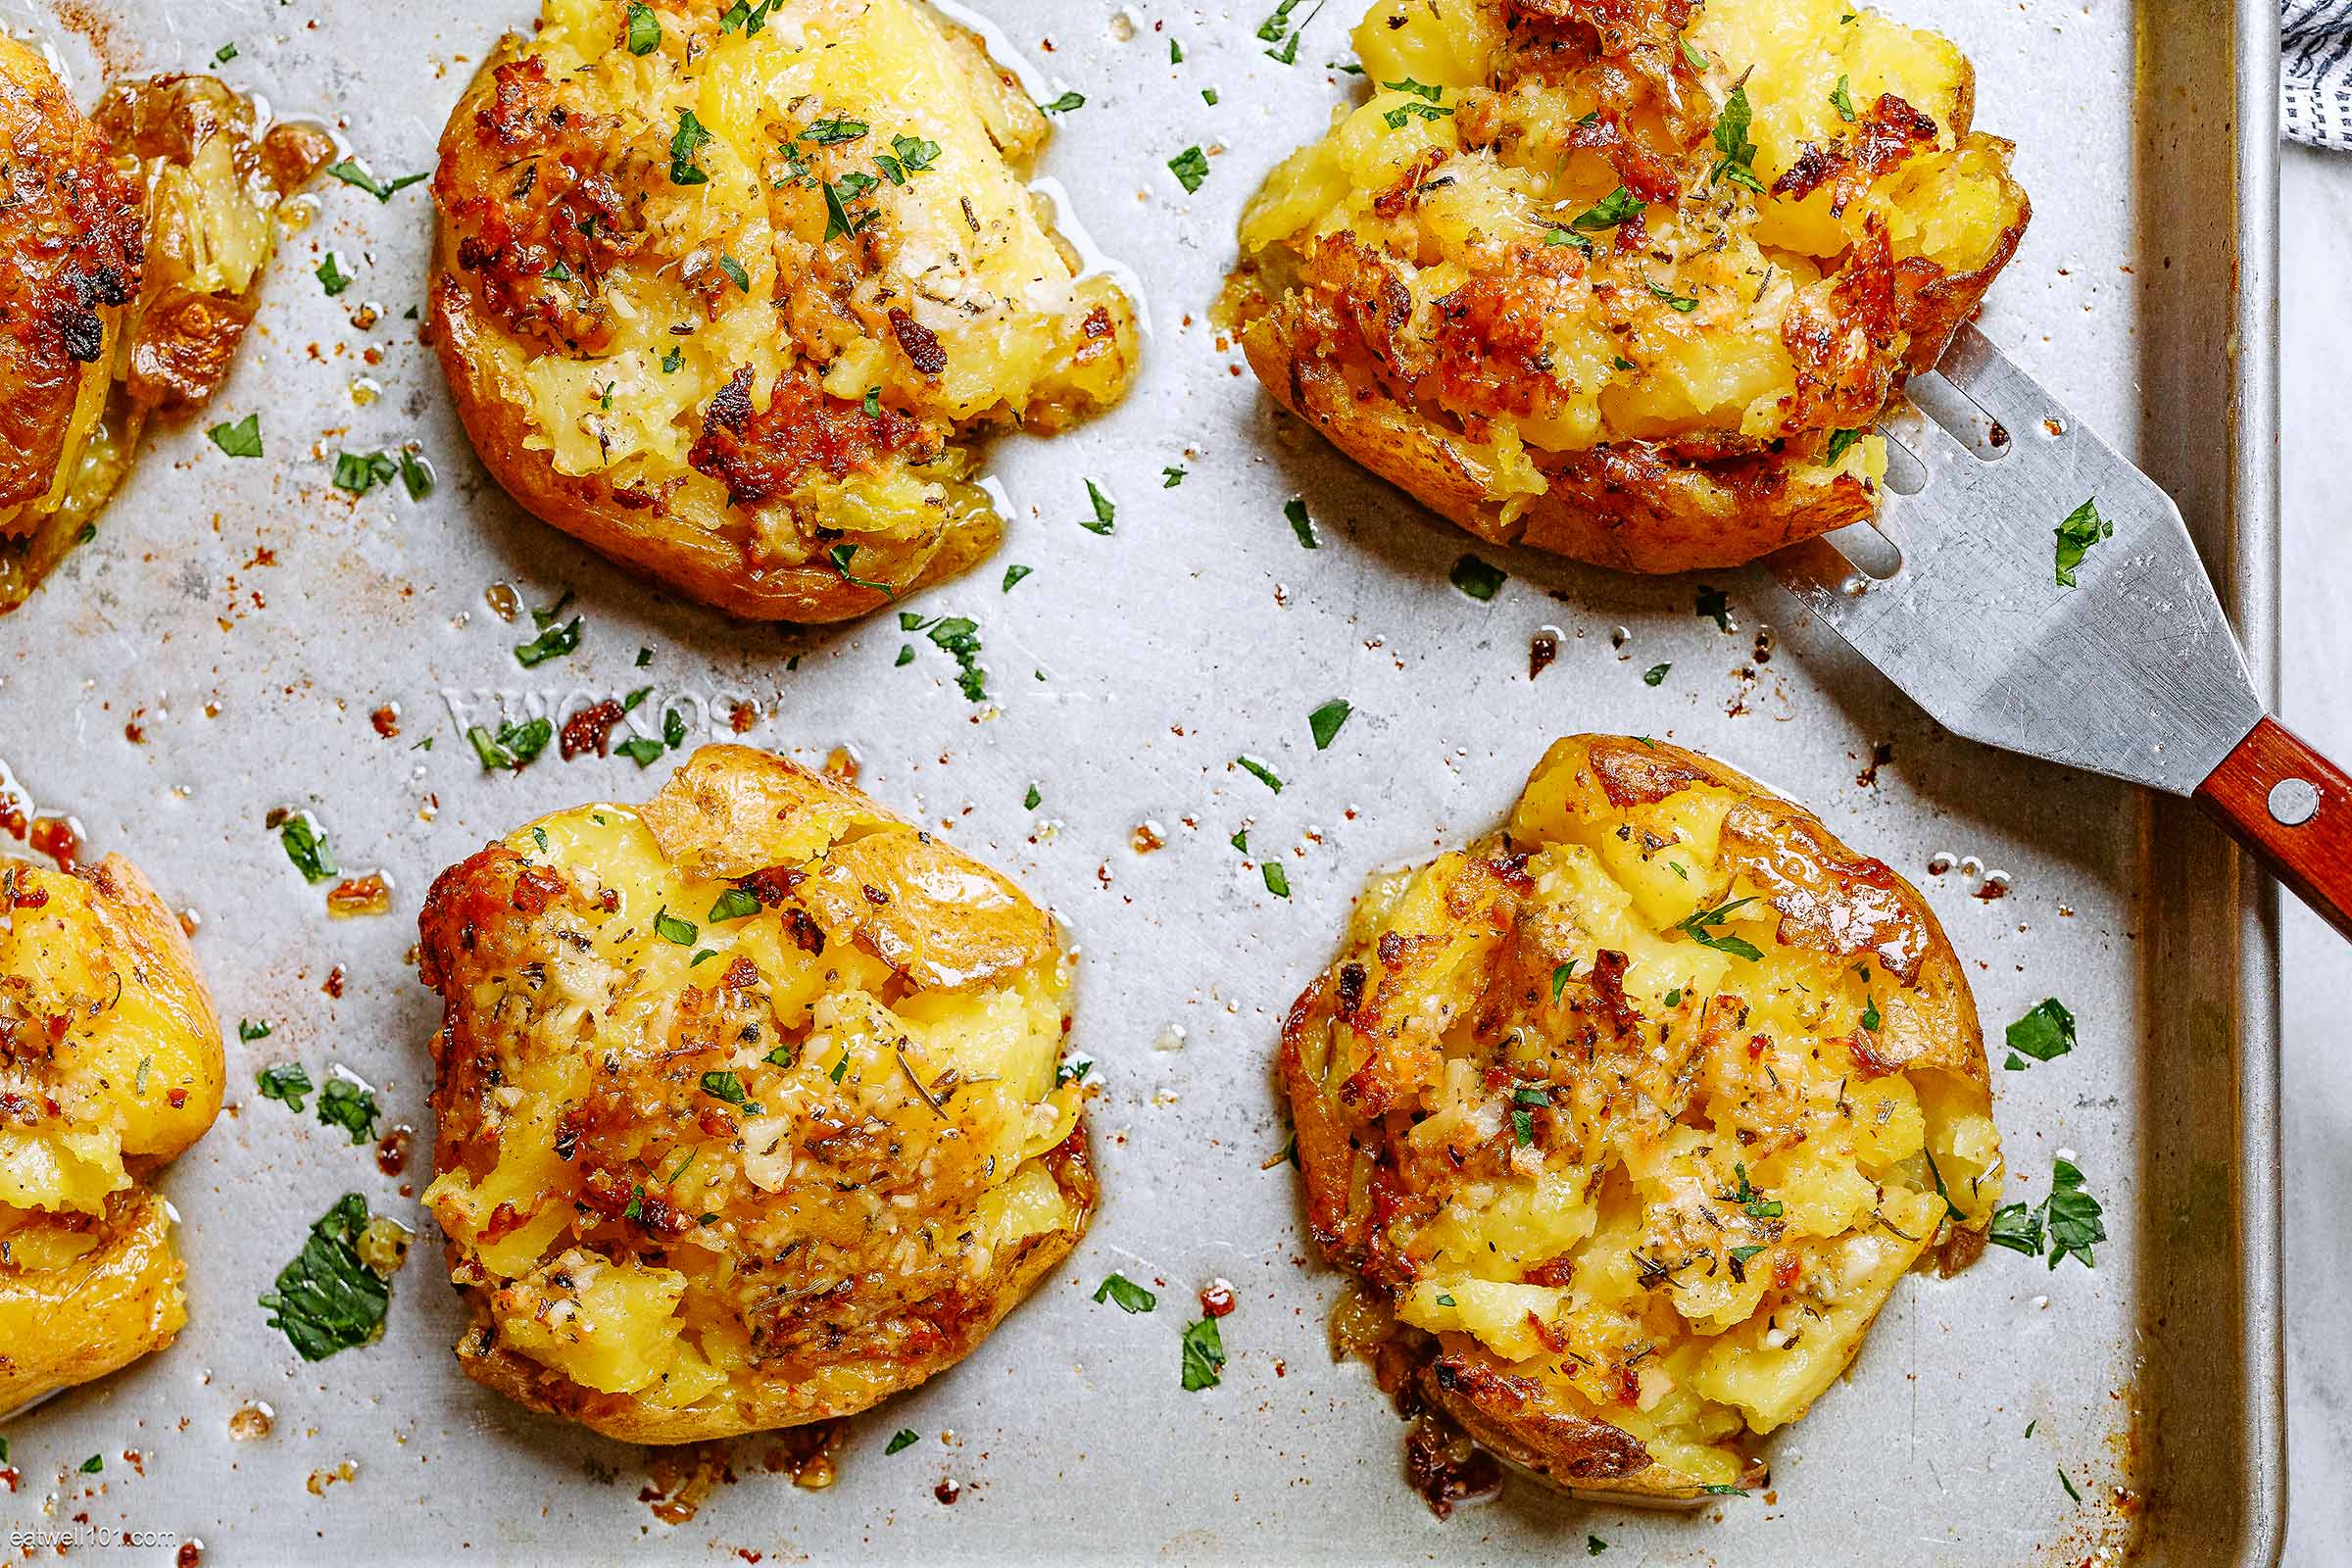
(131, 241)
(885, 1167)
(70, 232)
(802, 450)
(110, 1066)
(1443, 302)
(1507, 965)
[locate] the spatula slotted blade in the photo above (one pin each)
(2133, 674)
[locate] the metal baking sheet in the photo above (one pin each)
(219, 650)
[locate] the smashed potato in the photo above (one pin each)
(110, 1066)
(729, 296)
(132, 242)
(1630, 1116)
(1629, 281)
(750, 1100)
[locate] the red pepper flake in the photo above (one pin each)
(948, 1491)
(590, 729)
(334, 982)
(392, 1151)
(386, 720)
(1218, 1300)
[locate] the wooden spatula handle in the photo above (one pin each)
(2294, 809)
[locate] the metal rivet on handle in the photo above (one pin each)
(2294, 801)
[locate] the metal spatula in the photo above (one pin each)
(2133, 672)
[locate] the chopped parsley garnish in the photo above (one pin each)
(1324, 723)
(1301, 524)
(1240, 840)
(1125, 1294)
(331, 276)
(750, 19)
(1684, 303)
(742, 279)
(308, 850)
(1595, 1546)
(512, 746)
(1013, 574)
(1692, 56)
(1738, 1257)
(904, 1438)
(1752, 1202)
(725, 1086)
(1713, 603)
(1190, 167)
(415, 474)
(839, 223)
(359, 472)
(1264, 773)
(1203, 1354)
(1560, 976)
(327, 1299)
(1427, 107)
(1655, 674)
(644, 29)
(1840, 441)
(672, 359)
(1617, 207)
(243, 439)
(283, 1081)
(1064, 104)
(959, 637)
(1106, 511)
(1208, 96)
(1523, 1127)
(841, 557)
(1278, 881)
(250, 1029)
(2068, 1220)
(93, 1464)
(832, 132)
(1719, 1491)
(349, 1105)
(1735, 155)
(224, 54)
(1696, 928)
(689, 139)
(670, 928)
(736, 904)
(2082, 528)
(2044, 1033)
(351, 172)
(1871, 1017)
(1841, 99)
(908, 155)
(552, 643)
(2067, 1485)
(1477, 579)
(1171, 477)
(1030, 801)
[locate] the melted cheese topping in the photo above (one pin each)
(872, 1149)
(1474, 167)
(1670, 1180)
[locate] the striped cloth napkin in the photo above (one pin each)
(2315, 78)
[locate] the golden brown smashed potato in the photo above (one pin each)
(751, 1104)
(130, 244)
(1628, 280)
(1630, 1116)
(110, 1066)
(729, 296)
